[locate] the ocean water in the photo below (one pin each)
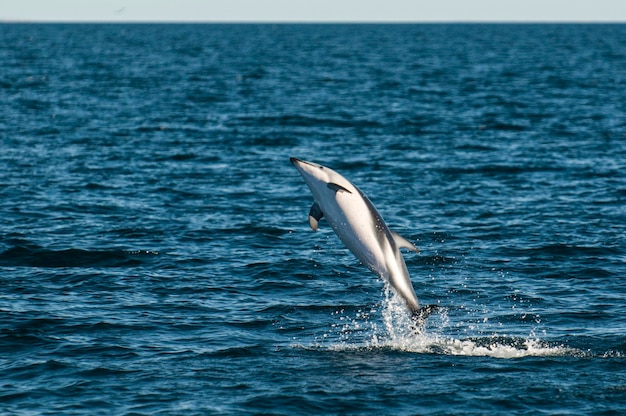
(155, 256)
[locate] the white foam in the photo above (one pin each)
(497, 348)
(359, 332)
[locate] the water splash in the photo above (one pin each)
(397, 332)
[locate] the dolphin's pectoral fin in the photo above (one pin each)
(315, 215)
(402, 242)
(337, 188)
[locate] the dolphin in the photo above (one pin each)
(361, 228)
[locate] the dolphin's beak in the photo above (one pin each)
(313, 174)
(303, 166)
(299, 162)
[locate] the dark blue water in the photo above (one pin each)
(155, 256)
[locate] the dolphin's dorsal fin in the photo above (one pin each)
(315, 215)
(402, 242)
(337, 188)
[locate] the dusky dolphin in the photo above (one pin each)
(361, 228)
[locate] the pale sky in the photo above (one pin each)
(314, 10)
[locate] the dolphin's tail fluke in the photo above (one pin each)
(419, 316)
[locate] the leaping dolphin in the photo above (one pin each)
(362, 229)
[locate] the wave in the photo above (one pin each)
(35, 256)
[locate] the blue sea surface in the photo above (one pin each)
(155, 255)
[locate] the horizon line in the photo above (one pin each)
(319, 22)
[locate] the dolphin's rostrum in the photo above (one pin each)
(361, 228)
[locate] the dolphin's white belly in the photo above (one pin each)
(361, 229)
(353, 224)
